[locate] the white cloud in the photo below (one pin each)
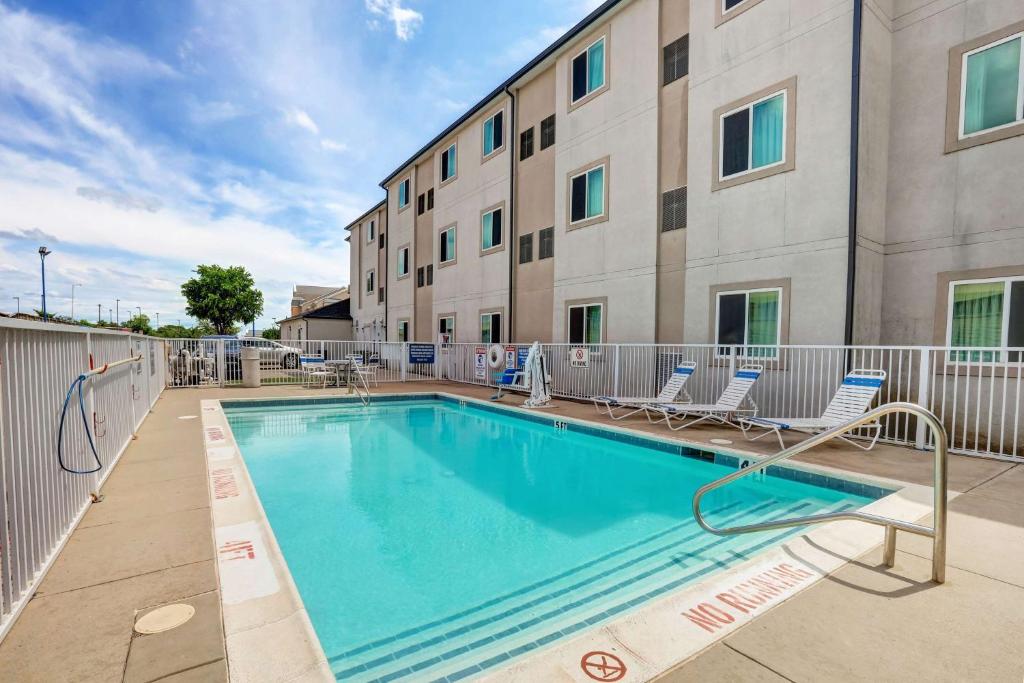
(333, 145)
(406, 20)
(297, 117)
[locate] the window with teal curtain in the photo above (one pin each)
(403, 193)
(485, 328)
(993, 83)
(763, 322)
(595, 66)
(595, 192)
(487, 232)
(768, 126)
(977, 318)
(488, 136)
(451, 163)
(593, 324)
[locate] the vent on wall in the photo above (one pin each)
(676, 59)
(673, 209)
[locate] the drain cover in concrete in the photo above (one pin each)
(187, 417)
(721, 442)
(165, 618)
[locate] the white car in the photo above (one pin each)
(274, 354)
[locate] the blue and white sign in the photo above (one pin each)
(421, 353)
(522, 353)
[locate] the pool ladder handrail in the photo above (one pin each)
(937, 532)
(363, 395)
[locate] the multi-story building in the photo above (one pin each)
(735, 171)
(368, 272)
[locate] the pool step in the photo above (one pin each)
(531, 617)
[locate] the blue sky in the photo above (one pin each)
(139, 139)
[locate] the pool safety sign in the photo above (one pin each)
(421, 353)
(480, 365)
(523, 353)
(510, 356)
(579, 357)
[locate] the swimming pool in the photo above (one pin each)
(439, 538)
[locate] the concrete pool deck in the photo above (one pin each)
(149, 543)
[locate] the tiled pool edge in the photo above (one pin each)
(267, 631)
(649, 640)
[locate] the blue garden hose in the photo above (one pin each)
(79, 382)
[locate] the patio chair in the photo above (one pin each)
(366, 372)
(315, 370)
(675, 386)
(852, 399)
(730, 404)
(510, 380)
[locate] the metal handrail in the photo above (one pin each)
(937, 532)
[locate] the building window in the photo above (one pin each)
(490, 328)
(545, 243)
(403, 262)
(526, 248)
(446, 329)
(430, 199)
(380, 295)
(547, 132)
(446, 247)
(526, 144)
(380, 241)
(403, 330)
(586, 195)
(370, 284)
(403, 193)
(371, 231)
(421, 204)
(430, 274)
(588, 69)
(749, 318)
(673, 209)
(448, 163)
(992, 86)
(585, 323)
(494, 131)
(986, 314)
(753, 136)
(419, 276)
(729, 4)
(490, 230)
(676, 59)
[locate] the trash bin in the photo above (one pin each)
(250, 367)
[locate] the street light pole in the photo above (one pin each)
(117, 309)
(18, 299)
(73, 299)
(43, 253)
(99, 313)
(158, 320)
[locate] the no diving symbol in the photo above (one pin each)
(603, 666)
(579, 354)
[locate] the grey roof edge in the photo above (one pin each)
(561, 42)
(365, 214)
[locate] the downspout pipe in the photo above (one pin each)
(387, 238)
(512, 242)
(851, 245)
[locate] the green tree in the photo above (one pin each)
(222, 296)
(139, 323)
(273, 333)
(173, 332)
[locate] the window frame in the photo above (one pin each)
(604, 35)
(604, 164)
(370, 281)
(371, 231)
(750, 136)
(491, 313)
(788, 88)
(500, 206)
(723, 15)
(442, 263)
(1004, 336)
(398, 261)
(1019, 111)
(484, 155)
(746, 329)
(442, 180)
(569, 306)
(407, 184)
(446, 316)
(403, 329)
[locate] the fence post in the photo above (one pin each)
(220, 362)
(923, 386)
(732, 363)
(615, 376)
(403, 361)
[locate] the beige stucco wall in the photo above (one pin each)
(401, 224)
(535, 210)
(792, 224)
(961, 211)
(424, 254)
(614, 259)
(366, 309)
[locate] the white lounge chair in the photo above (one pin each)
(315, 371)
(852, 399)
(730, 404)
(675, 386)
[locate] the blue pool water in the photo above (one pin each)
(430, 539)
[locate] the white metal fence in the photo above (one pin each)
(976, 392)
(40, 503)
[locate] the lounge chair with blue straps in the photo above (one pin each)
(735, 402)
(670, 393)
(852, 399)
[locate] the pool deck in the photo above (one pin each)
(149, 543)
